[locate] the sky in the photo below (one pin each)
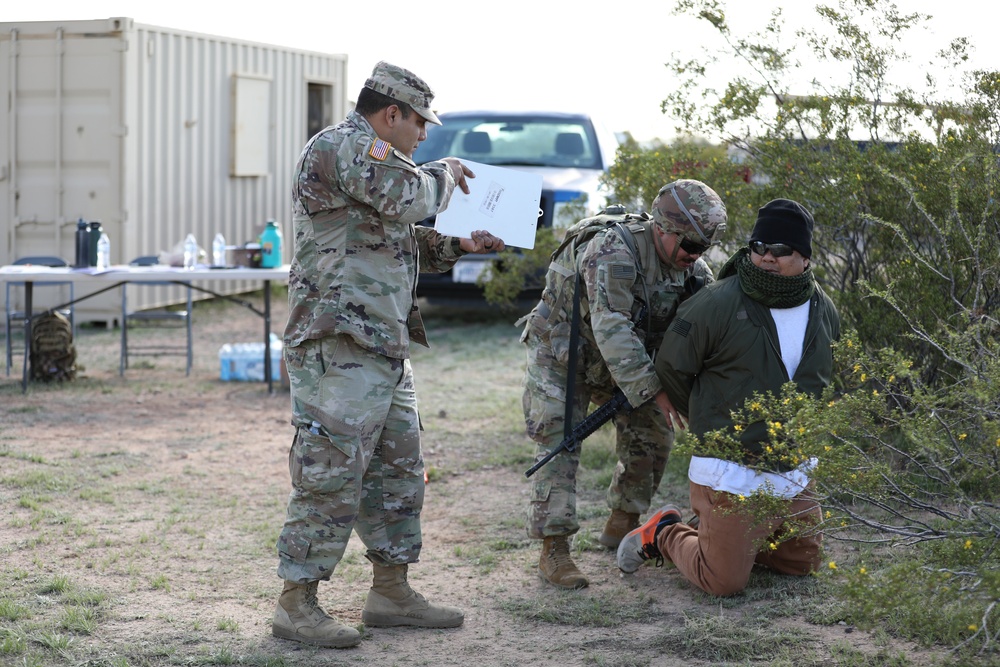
(512, 54)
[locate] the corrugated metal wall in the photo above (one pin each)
(145, 138)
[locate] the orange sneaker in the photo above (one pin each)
(640, 545)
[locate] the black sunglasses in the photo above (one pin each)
(777, 249)
(692, 248)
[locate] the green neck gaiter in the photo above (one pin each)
(769, 289)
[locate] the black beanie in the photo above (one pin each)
(784, 221)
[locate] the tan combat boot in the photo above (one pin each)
(619, 525)
(556, 566)
(300, 618)
(391, 602)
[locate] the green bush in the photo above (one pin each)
(903, 188)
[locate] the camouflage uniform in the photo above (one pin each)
(355, 461)
(625, 308)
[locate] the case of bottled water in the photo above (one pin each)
(244, 362)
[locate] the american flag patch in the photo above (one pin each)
(623, 271)
(680, 327)
(379, 149)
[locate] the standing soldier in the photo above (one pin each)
(355, 461)
(628, 274)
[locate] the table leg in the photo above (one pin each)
(267, 336)
(26, 368)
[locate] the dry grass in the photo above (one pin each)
(141, 515)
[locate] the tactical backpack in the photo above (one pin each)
(563, 259)
(53, 355)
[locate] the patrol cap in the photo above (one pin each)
(404, 86)
(692, 209)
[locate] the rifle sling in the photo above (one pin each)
(574, 340)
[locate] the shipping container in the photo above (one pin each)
(154, 132)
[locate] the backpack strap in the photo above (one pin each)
(628, 238)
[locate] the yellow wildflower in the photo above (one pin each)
(962, 436)
(968, 544)
(832, 565)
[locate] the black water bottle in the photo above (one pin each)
(95, 235)
(82, 244)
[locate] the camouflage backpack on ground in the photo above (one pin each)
(53, 355)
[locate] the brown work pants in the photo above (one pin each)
(718, 555)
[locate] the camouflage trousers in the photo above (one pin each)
(642, 446)
(355, 460)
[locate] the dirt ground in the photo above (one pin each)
(165, 494)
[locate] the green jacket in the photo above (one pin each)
(723, 346)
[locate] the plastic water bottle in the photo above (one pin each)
(190, 251)
(270, 246)
(219, 250)
(225, 362)
(104, 252)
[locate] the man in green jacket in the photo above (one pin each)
(763, 323)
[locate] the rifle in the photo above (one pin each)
(588, 425)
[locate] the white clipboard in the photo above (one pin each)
(502, 201)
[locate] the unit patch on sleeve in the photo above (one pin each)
(379, 149)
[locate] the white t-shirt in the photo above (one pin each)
(738, 479)
(791, 324)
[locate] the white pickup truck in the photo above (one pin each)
(571, 152)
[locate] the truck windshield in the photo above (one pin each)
(536, 141)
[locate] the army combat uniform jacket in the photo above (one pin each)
(358, 250)
(626, 304)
